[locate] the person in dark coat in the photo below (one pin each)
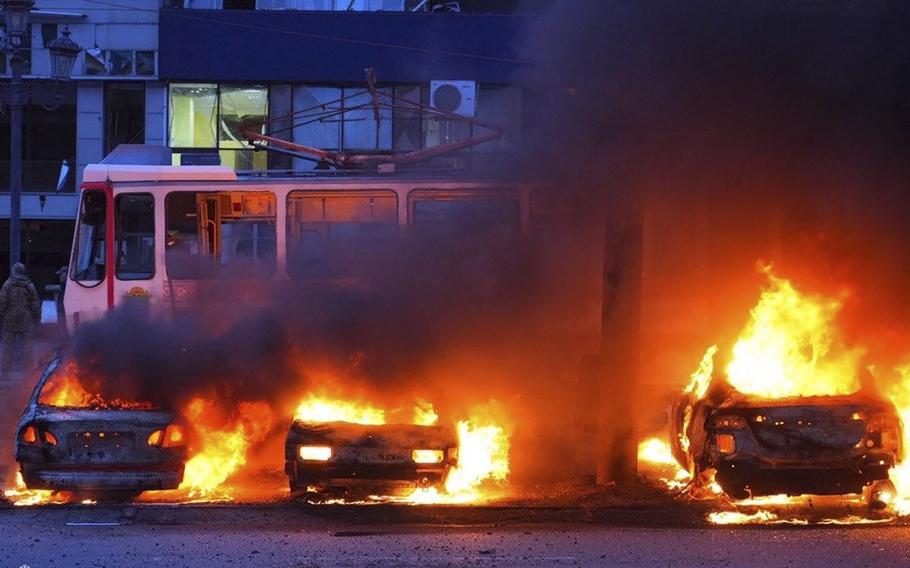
(20, 310)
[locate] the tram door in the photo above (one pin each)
(208, 216)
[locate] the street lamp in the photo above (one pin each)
(63, 55)
(16, 12)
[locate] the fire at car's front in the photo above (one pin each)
(345, 449)
(71, 440)
(346, 459)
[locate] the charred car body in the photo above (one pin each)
(821, 445)
(108, 451)
(345, 459)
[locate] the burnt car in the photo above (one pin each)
(818, 445)
(354, 460)
(68, 440)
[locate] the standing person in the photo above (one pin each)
(20, 308)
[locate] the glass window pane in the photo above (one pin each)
(145, 63)
(135, 237)
(230, 233)
(88, 254)
(192, 115)
(242, 108)
(360, 124)
(311, 127)
(469, 215)
(94, 62)
(339, 236)
(121, 62)
(244, 160)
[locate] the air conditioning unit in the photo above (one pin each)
(458, 97)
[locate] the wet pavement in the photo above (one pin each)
(304, 537)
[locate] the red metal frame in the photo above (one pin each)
(108, 188)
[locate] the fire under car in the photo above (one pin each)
(105, 450)
(818, 445)
(346, 460)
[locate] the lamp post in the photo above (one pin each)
(63, 53)
(17, 12)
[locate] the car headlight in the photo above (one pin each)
(427, 456)
(315, 453)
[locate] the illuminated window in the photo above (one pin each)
(215, 117)
(193, 116)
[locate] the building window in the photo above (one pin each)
(124, 114)
(119, 62)
(193, 116)
(48, 33)
(135, 236)
(48, 142)
(214, 117)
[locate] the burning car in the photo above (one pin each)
(70, 440)
(794, 410)
(347, 459)
(822, 445)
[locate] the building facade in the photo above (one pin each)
(189, 74)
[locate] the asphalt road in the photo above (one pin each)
(356, 537)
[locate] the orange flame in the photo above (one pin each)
(65, 389)
(223, 450)
(791, 347)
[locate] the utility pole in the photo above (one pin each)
(617, 444)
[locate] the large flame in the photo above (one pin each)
(483, 453)
(791, 347)
(66, 389)
(223, 448)
(322, 409)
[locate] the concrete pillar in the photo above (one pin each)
(89, 125)
(156, 113)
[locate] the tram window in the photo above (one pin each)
(469, 215)
(226, 233)
(88, 254)
(339, 236)
(135, 236)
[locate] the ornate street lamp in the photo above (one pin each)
(63, 55)
(63, 52)
(16, 13)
